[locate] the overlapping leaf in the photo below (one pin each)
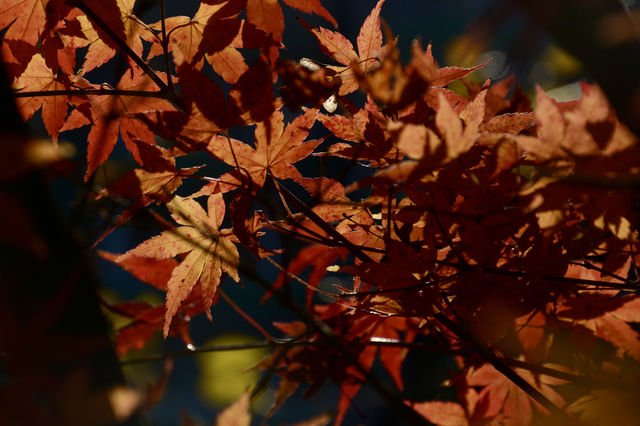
(216, 34)
(210, 251)
(481, 211)
(39, 77)
(370, 49)
(276, 148)
(108, 119)
(267, 14)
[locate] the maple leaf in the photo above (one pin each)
(112, 116)
(210, 251)
(501, 399)
(458, 133)
(36, 27)
(208, 112)
(155, 272)
(156, 180)
(118, 16)
(404, 89)
(512, 123)
(607, 317)
(331, 202)
(215, 34)
(276, 148)
(144, 186)
(39, 77)
(582, 128)
(370, 49)
(237, 414)
(442, 413)
(267, 14)
(366, 127)
(424, 64)
(147, 320)
(393, 357)
(25, 19)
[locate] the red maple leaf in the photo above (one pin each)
(607, 317)
(267, 14)
(147, 320)
(112, 115)
(208, 113)
(501, 400)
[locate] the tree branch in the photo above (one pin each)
(93, 92)
(171, 96)
(499, 364)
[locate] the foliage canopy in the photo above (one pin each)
(502, 235)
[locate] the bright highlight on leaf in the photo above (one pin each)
(209, 252)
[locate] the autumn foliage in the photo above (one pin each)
(504, 235)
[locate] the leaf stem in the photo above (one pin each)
(300, 280)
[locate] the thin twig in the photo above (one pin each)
(308, 238)
(447, 238)
(92, 92)
(244, 315)
(172, 96)
(284, 202)
(202, 349)
(540, 369)
(300, 280)
(499, 364)
(355, 250)
(387, 231)
(165, 46)
(374, 341)
(593, 267)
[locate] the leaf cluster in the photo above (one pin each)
(505, 234)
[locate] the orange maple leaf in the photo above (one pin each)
(276, 148)
(39, 77)
(120, 17)
(338, 47)
(214, 34)
(210, 251)
(457, 133)
(607, 315)
(267, 14)
(107, 114)
(25, 20)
